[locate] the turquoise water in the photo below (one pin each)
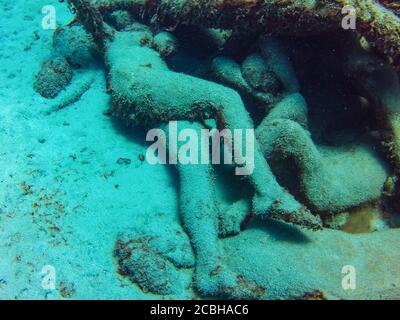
(85, 214)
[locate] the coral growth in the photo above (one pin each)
(381, 27)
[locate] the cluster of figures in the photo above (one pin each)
(295, 179)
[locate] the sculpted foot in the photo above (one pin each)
(287, 209)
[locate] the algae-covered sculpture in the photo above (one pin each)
(141, 86)
(144, 93)
(329, 178)
(296, 179)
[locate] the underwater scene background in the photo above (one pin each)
(107, 190)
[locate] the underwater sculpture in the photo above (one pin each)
(141, 97)
(73, 48)
(57, 69)
(329, 179)
(141, 86)
(378, 22)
